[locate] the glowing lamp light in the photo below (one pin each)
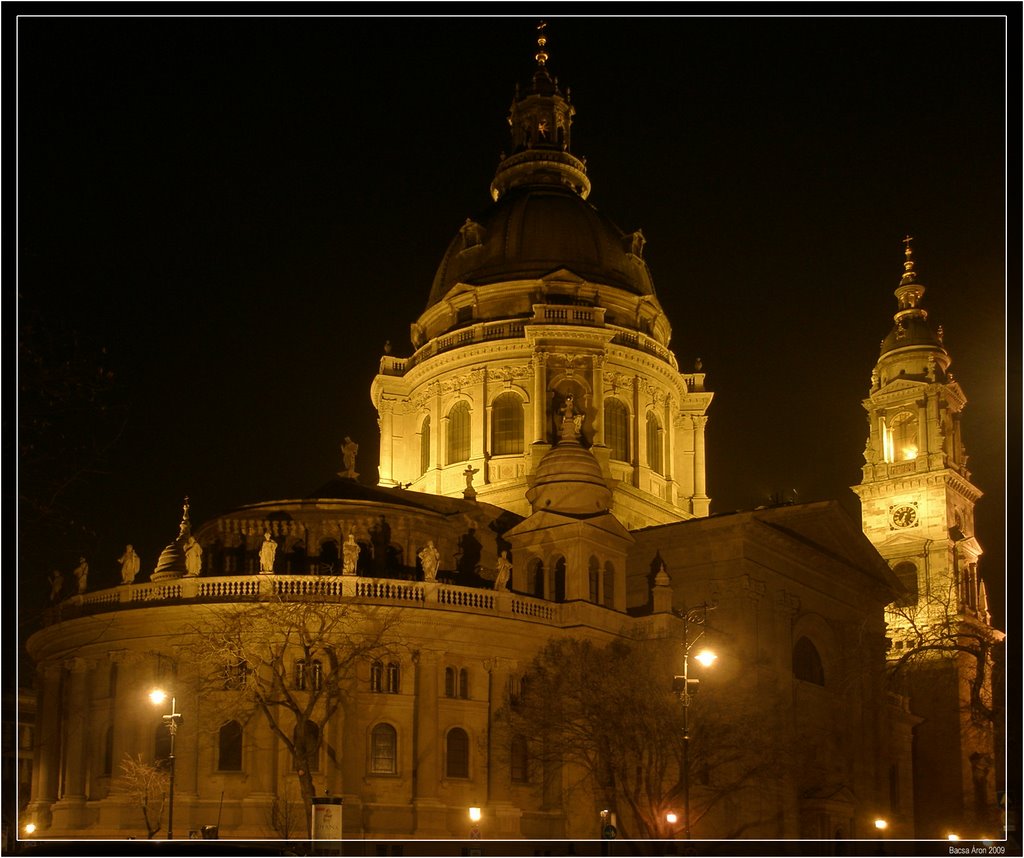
(157, 696)
(953, 837)
(909, 453)
(30, 828)
(706, 657)
(474, 814)
(671, 818)
(881, 824)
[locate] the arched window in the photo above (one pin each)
(654, 458)
(616, 429)
(309, 676)
(383, 750)
(507, 425)
(464, 684)
(609, 584)
(229, 747)
(394, 678)
(377, 677)
(907, 574)
(458, 433)
(425, 445)
(807, 662)
(560, 579)
(594, 578)
(519, 756)
(456, 758)
(449, 682)
(535, 578)
(899, 437)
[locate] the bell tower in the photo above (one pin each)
(917, 508)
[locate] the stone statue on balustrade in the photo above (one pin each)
(81, 574)
(56, 585)
(349, 555)
(267, 553)
(130, 564)
(504, 571)
(193, 556)
(469, 492)
(430, 558)
(349, 448)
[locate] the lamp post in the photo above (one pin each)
(172, 720)
(685, 688)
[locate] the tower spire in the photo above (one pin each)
(542, 55)
(909, 276)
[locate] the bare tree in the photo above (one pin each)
(610, 712)
(292, 662)
(146, 784)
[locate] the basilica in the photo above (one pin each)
(542, 478)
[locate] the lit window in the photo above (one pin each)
(507, 425)
(899, 437)
(616, 429)
(458, 433)
(654, 458)
(229, 756)
(383, 750)
(457, 754)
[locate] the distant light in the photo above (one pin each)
(953, 837)
(706, 657)
(30, 828)
(909, 453)
(671, 818)
(474, 814)
(881, 824)
(157, 696)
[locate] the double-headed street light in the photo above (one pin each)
(685, 688)
(172, 720)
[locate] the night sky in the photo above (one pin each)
(233, 214)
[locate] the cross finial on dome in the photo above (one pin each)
(186, 523)
(908, 266)
(542, 55)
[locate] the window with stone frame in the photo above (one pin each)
(458, 433)
(383, 750)
(456, 757)
(229, 747)
(507, 425)
(616, 428)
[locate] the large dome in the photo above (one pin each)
(534, 230)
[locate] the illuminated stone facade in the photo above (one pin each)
(543, 414)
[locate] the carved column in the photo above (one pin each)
(923, 429)
(699, 485)
(598, 370)
(639, 438)
(479, 415)
(539, 396)
(387, 442)
(430, 812)
(77, 723)
(46, 765)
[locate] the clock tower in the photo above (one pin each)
(917, 508)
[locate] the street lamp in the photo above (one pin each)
(474, 816)
(172, 720)
(685, 688)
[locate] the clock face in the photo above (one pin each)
(904, 515)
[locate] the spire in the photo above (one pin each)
(911, 327)
(908, 267)
(540, 121)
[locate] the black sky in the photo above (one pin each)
(241, 210)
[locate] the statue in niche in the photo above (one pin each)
(572, 422)
(504, 571)
(469, 492)
(267, 552)
(430, 557)
(56, 585)
(349, 448)
(350, 555)
(130, 564)
(193, 556)
(81, 574)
